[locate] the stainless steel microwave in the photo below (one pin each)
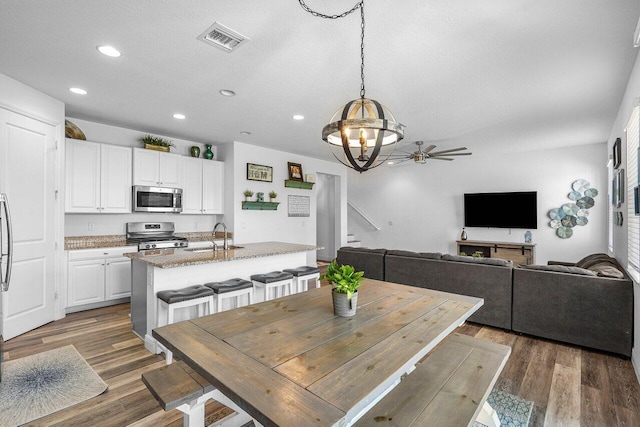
(157, 199)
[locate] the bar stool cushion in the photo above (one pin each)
(185, 294)
(302, 271)
(274, 276)
(229, 285)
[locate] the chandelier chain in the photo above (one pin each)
(359, 5)
(321, 15)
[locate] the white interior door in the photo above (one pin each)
(327, 220)
(27, 176)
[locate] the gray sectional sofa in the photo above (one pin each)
(565, 302)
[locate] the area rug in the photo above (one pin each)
(38, 385)
(512, 411)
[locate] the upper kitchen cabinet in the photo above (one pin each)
(156, 169)
(203, 186)
(98, 178)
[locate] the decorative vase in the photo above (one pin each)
(342, 306)
(195, 151)
(208, 154)
(463, 236)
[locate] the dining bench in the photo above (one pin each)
(451, 389)
(177, 386)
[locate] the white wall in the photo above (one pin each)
(420, 207)
(258, 226)
(105, 224)
(630, 99)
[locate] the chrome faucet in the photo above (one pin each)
(226, 242)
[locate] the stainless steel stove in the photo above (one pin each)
(154, 235)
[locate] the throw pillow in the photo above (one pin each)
(607, 270)
(593, 259)
(560, 269)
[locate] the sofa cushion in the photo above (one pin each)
(561, 269)
(427, 255)
(606, 269)
(472, 260)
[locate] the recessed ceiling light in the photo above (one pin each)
(227, 92)
(109, 51)
(245, 132)
(179, 116)
(78, 90)
(390, 163)
(297, 117)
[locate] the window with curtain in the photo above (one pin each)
(631, 178)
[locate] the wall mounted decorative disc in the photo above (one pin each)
(564, 232)
(582, 212)
(585, 202)
(580, 185)
(570, 208)
(591, 192)
(569, 221)
(582, 220)
(555, 223)
(574, 195)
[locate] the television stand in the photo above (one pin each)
(518, 253)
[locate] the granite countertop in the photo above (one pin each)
(172, 258)
(115, 240)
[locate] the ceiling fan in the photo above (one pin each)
(421, 156)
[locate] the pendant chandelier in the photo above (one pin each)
(362, 133)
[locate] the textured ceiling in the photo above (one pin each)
(507, 75)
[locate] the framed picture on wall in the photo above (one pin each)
(618, 188)
(617, 153)
(295, 172)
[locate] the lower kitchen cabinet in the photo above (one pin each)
(98, 277)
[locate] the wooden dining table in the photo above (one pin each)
(292, 362)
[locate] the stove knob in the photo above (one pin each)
(147, 246)
(153, 246)
(175, 244)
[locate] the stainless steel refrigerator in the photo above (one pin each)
(6, 248)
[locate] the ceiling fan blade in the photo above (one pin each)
(451, 150)
(441, 158)
(448, 154)
(400, 155)
(428, 149)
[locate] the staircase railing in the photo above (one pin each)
(365, 217)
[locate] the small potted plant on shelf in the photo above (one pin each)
(345, 281)
(272, 196)
(247, 195)
(156, 143)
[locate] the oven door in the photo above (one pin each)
(157, 199)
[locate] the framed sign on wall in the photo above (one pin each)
(259, 172)
(299, 205)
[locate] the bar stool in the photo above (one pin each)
(278, 281)
(302, 275)
(197, 295)
(232, 288)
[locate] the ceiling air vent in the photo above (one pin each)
(222, 37)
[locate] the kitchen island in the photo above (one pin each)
(159, 270)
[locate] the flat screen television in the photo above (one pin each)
(501, 210)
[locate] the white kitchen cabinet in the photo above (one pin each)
(98, 178)
(212, 187)
(97, 276)
(155, 168)
(203, 186)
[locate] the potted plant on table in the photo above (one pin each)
(156, 143)
(345, 281)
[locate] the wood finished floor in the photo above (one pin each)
(569, 386)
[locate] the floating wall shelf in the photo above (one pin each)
(298, 184)
(260, 206)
